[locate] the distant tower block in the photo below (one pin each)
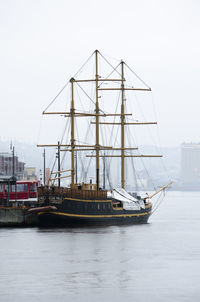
(190, 165)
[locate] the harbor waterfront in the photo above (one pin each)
(158, 261)
(17, 217)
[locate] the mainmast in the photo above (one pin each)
(72, 111)
(122, 129)
(97, 120)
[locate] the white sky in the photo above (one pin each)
(44, 42)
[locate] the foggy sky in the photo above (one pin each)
(44, 42)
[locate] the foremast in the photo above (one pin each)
(122, 129)
(97, 119)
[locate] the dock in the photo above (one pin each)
(17, 217)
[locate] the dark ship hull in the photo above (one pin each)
(94, 211)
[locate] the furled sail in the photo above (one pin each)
(128, 201)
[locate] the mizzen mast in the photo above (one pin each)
(122, 129)
(97, 120)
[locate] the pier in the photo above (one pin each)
(17, 216)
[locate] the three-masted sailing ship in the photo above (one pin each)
(86, 202)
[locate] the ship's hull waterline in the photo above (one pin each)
(82, 212)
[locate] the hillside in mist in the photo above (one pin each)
(158, 169)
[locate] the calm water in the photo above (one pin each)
(159, 261)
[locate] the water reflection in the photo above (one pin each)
(158, 261)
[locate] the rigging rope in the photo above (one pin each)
(137, 76)
(144, 166)
(115, 140)
(56, 159)
(133, 166)
(68, 82)
(110, 64)
(159, 201)
(56, 96)
(89, 97)
(158, 148)
(84, 171)
(159, 140)
(110, 75)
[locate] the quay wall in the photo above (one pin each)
(17, 217)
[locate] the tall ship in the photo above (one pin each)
(91, 143)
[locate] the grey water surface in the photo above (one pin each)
(158, 261)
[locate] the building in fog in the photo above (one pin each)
(47, 176)
(10, 165)
(190, 165)
(30, 173)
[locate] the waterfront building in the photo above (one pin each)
(10, 165)
(30, 173)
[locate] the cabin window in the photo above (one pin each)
(12, 188)
(33, 187)
(1, 188)
(22, 187)
(6, 188)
